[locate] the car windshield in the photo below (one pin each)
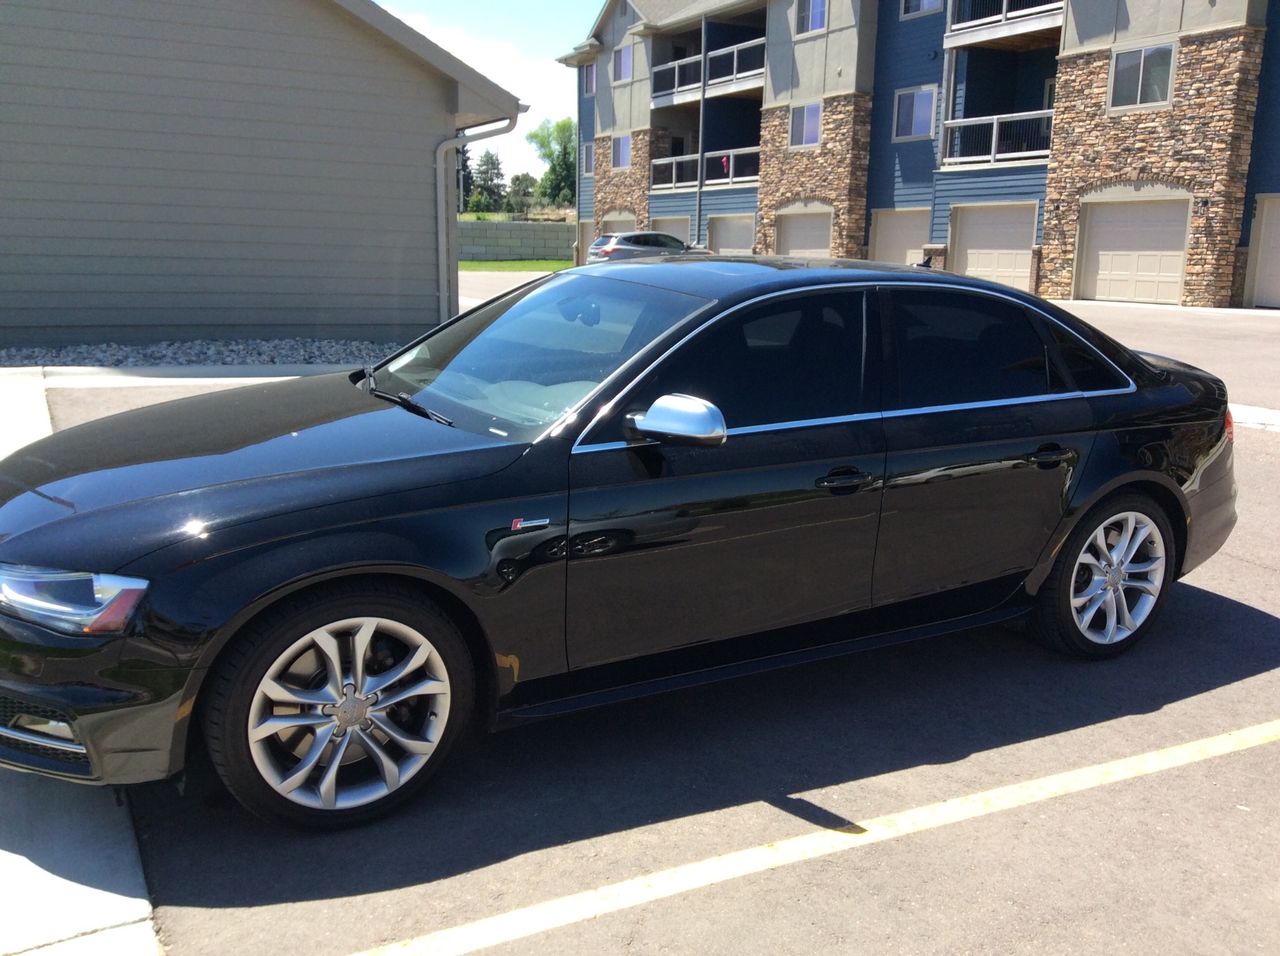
(515, 366)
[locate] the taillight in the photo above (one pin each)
(1229, 425)
(607, 250)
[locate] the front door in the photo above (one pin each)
(984, 442)
(672, 545)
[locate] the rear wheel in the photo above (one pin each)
(334, 709)
(1110, 579)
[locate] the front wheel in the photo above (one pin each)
(1110, 579)
(333, 709)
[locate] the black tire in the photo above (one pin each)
(1053, 621)
(230, 692)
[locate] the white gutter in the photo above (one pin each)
(442, 202)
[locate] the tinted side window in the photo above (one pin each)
(794, 360)
(953, 348)
(1088, 371)
(668, 242)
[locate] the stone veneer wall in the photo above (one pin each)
(1200, 143)
(833, 172)
(628, 188)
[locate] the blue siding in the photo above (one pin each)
(1020, 183)
(586, 198)
(908, 53)
(1264, 169)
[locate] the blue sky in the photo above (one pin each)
(514, 43)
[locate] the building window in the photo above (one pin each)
(913, 111)
(811, 15)
(622, 64)
(918, 8)
(589, 80)
(621, 152)
(1141, 77)
(806, 125)
(588, 162)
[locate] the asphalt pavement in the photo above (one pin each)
(974, 793)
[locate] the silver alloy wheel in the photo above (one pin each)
(1117, 577)
(349, 713)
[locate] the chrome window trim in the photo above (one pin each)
(41, 740)
(589, 447)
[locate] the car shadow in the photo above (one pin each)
(760, 738)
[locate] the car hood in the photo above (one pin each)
(134, 482)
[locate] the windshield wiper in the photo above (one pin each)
(403, 399)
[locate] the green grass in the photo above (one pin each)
(515, 265)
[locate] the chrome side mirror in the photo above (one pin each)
(682, 420)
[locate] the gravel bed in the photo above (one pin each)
(202, 352)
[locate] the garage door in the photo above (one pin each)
(994, 242)
(677, 226)
(618, 224)
(805, 234)
(899, 235)
(1134, 251)
(731, 235)
(1266, 288)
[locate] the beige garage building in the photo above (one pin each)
(180, 169)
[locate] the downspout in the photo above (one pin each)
(702, 147)
(442, 202)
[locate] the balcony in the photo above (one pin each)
(674, 172)
(677, 76)
(967, 14)
(997, 139)
(735, 63)
(728, 167)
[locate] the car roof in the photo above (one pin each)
(731, 279)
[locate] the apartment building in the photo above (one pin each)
(1109, 149)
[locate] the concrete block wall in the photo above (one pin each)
(494, 241)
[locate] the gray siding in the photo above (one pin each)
(822, 63)
(1094, 24)
(262, 166)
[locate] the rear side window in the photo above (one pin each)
(602, 241)
(957, 348)
(1088, 371)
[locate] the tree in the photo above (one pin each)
(488, 180)
(557, 144)
(479, 202)
(465, 179)
(520, 194)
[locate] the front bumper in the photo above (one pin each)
(122, 697)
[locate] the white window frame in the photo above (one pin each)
(627, 51)
(933, 113)
(589, 72)
(904, 15)
(588, 150)
(613, 152)
(1163, 104)
(826, 17)
(791, 123)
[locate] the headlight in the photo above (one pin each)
(70, 601)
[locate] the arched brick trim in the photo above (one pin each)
(1200, 144)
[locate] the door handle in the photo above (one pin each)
(842, 479)
(1050, 456)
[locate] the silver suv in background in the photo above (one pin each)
(634, 245)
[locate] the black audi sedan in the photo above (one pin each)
(611, 482)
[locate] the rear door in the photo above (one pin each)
(984, 437)
(671, 545)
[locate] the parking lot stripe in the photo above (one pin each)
(579, 907)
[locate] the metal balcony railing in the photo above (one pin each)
(978, 13)
(736, 62)
(997, 139)
(732, 166)
(683, 74)
(674, 172)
